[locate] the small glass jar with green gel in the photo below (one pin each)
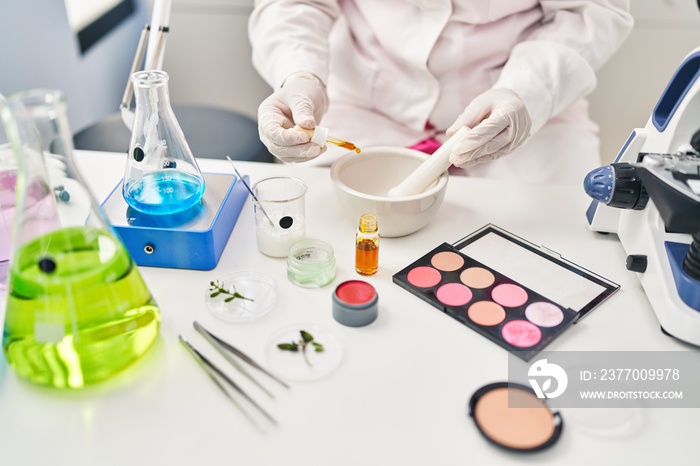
(311, 263)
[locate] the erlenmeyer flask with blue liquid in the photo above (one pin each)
(162, 176)
(78, 310)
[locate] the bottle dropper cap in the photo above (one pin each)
(318, 135)
(368, 223)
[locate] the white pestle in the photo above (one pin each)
(428, 171)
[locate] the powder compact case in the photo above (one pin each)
(518, 295)
(511, 416)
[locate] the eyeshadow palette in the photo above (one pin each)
(514, 293)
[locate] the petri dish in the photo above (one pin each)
(293, 365)
(622, 422)
(259, 290)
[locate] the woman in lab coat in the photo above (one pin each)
(410, 73)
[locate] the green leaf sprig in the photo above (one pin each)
(304, 342)
(218, 288)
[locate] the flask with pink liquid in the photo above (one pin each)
(8, 178)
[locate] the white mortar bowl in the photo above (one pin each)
(362, 181)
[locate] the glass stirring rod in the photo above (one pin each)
(252, 194)
(319, 135)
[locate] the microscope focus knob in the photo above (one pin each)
(637, 263)
(617, 185)
(695, 141)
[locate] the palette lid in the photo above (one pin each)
(537, 268)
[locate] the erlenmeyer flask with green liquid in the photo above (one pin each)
(78, 310)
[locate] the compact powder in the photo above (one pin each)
(521, 333)
(513, 417)
(509, 295)
(423, 277)
(486, 313)
(447, 261)
(477, 277)
(453, 294)
(544, 314)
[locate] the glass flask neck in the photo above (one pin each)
(151, 88)
(37, 130)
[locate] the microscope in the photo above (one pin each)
(650, 197)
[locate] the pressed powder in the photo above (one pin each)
(544, 314)
(486, 313)
(447, 261)
(477, 277)
(511, 416)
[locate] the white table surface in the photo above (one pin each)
(399, 396)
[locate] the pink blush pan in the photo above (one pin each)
(509, 295)
(453, 294)
(521, 333)
(424, 277)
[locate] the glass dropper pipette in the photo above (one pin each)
(319, 135)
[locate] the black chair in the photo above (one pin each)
(210, 132)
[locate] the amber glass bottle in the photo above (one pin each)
(367, 245)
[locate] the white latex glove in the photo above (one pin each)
(302, 100)
(499, 123)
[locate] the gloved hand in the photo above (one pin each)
(499, 123)
(302, 100)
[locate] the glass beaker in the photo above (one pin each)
(77, 311)
(162, 176)
(280, 214)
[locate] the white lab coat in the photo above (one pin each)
(394, 68)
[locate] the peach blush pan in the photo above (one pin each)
(477, 277)
(486, 313)
(447, 261)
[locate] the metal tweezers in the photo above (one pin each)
(215, 373)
